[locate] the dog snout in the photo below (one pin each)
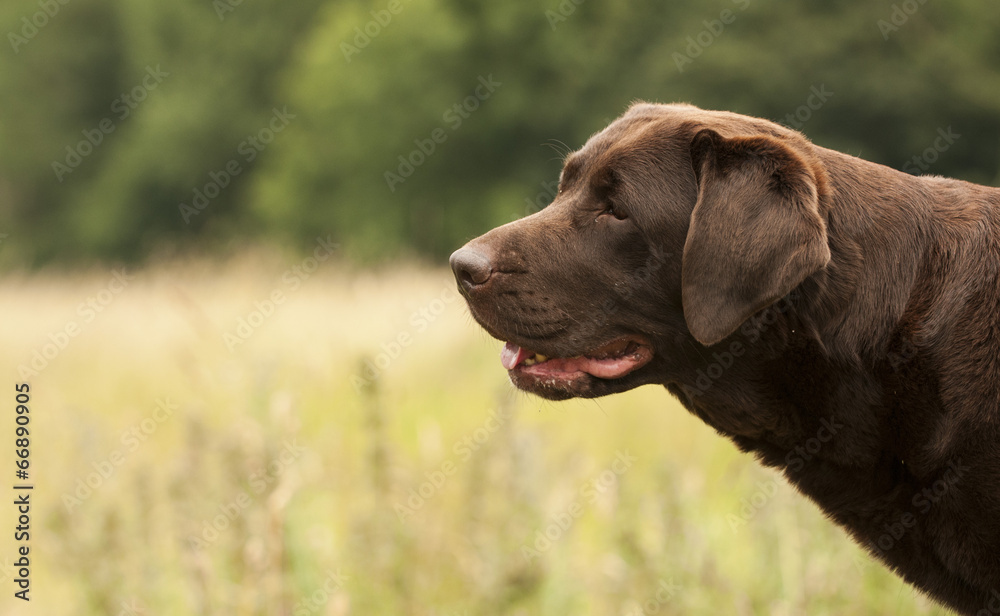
(472, 268)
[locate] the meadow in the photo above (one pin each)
(278, 436)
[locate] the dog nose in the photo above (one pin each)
(472, 268)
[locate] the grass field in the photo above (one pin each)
(181, 467)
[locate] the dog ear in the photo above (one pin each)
(754, 235)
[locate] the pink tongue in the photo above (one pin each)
(512, 355)
(610, 368)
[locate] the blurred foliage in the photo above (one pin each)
(370, 82)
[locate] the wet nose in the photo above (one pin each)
(472, 268)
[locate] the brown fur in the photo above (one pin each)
(837, 318)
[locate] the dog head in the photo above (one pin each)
(671, 227)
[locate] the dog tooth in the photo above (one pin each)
(529, 362)
(540, 358)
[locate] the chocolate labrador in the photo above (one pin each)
(837, 318)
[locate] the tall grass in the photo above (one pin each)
(281, 485)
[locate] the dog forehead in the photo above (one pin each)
(643, 132)
(677, 116)
(648, 149)
(660, 135)
(635, 147)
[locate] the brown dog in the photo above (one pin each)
(837, 318)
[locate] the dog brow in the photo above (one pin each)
(570, 170)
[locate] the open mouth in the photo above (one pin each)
(610, 361)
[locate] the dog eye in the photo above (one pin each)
(610, 210)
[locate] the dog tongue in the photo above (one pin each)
(512, 355)
(609, 368)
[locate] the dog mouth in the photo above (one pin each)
(612, 360)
